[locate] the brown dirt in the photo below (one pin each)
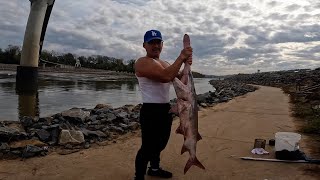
(228, 132)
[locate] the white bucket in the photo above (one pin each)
(287, 141)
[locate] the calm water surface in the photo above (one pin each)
(59, 92)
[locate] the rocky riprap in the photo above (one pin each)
(79, 128)
(302, 85)
(303, 77)
(76, 128)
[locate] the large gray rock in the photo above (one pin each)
(43, 135)
(31, 151)
(27, 121)
(134, 125)
(7, 133)
(110, 117)
(102, 106)
(87, 132)
(76, 115)
(70, 137)
(4, 147)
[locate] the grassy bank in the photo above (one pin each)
(305, 107)
(306, 111)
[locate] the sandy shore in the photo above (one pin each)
(79, 71)
(228, 132)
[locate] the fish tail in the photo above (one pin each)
(199, 137)
(193, 161)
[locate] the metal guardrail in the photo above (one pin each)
(57, 64)
(49, 62)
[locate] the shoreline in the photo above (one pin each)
(73, 70)
(218, 150)
(93, 125)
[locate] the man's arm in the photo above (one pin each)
(154, 70)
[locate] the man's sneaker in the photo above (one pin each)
(159, 173)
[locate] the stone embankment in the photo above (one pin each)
(302, 77)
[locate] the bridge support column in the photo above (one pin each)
(28, 105)
(27, 72)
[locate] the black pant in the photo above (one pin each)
(156, 124)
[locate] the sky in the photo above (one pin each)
(228, 37)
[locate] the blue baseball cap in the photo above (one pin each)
(151, 35)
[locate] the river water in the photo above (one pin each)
(59, 92)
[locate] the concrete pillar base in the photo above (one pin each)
(27, 80)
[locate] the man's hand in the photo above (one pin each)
(189, 60)
(186, 53)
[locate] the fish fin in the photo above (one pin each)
(174, 109)
(179, 130)
(181, 85)
(184, 149)
(193, 161)
(199, 137)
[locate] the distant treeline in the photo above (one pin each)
(12, 54)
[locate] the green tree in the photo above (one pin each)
(130, 66)
(46, 55)
(12, 55)
(1, 56)
(197, 75)
(69, 59)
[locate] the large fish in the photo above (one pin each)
(187, 110)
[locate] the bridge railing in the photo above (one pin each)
(57, 65)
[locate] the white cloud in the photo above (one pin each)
(238, 36)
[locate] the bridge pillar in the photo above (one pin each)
(28, 105)
(27, 72)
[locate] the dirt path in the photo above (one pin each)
(228, 131)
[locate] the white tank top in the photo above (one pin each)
(153, 91)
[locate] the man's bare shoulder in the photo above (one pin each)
(164, 63)
(142, 60)
(143, 65)
(148, 62)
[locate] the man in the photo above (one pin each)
(154, 77)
